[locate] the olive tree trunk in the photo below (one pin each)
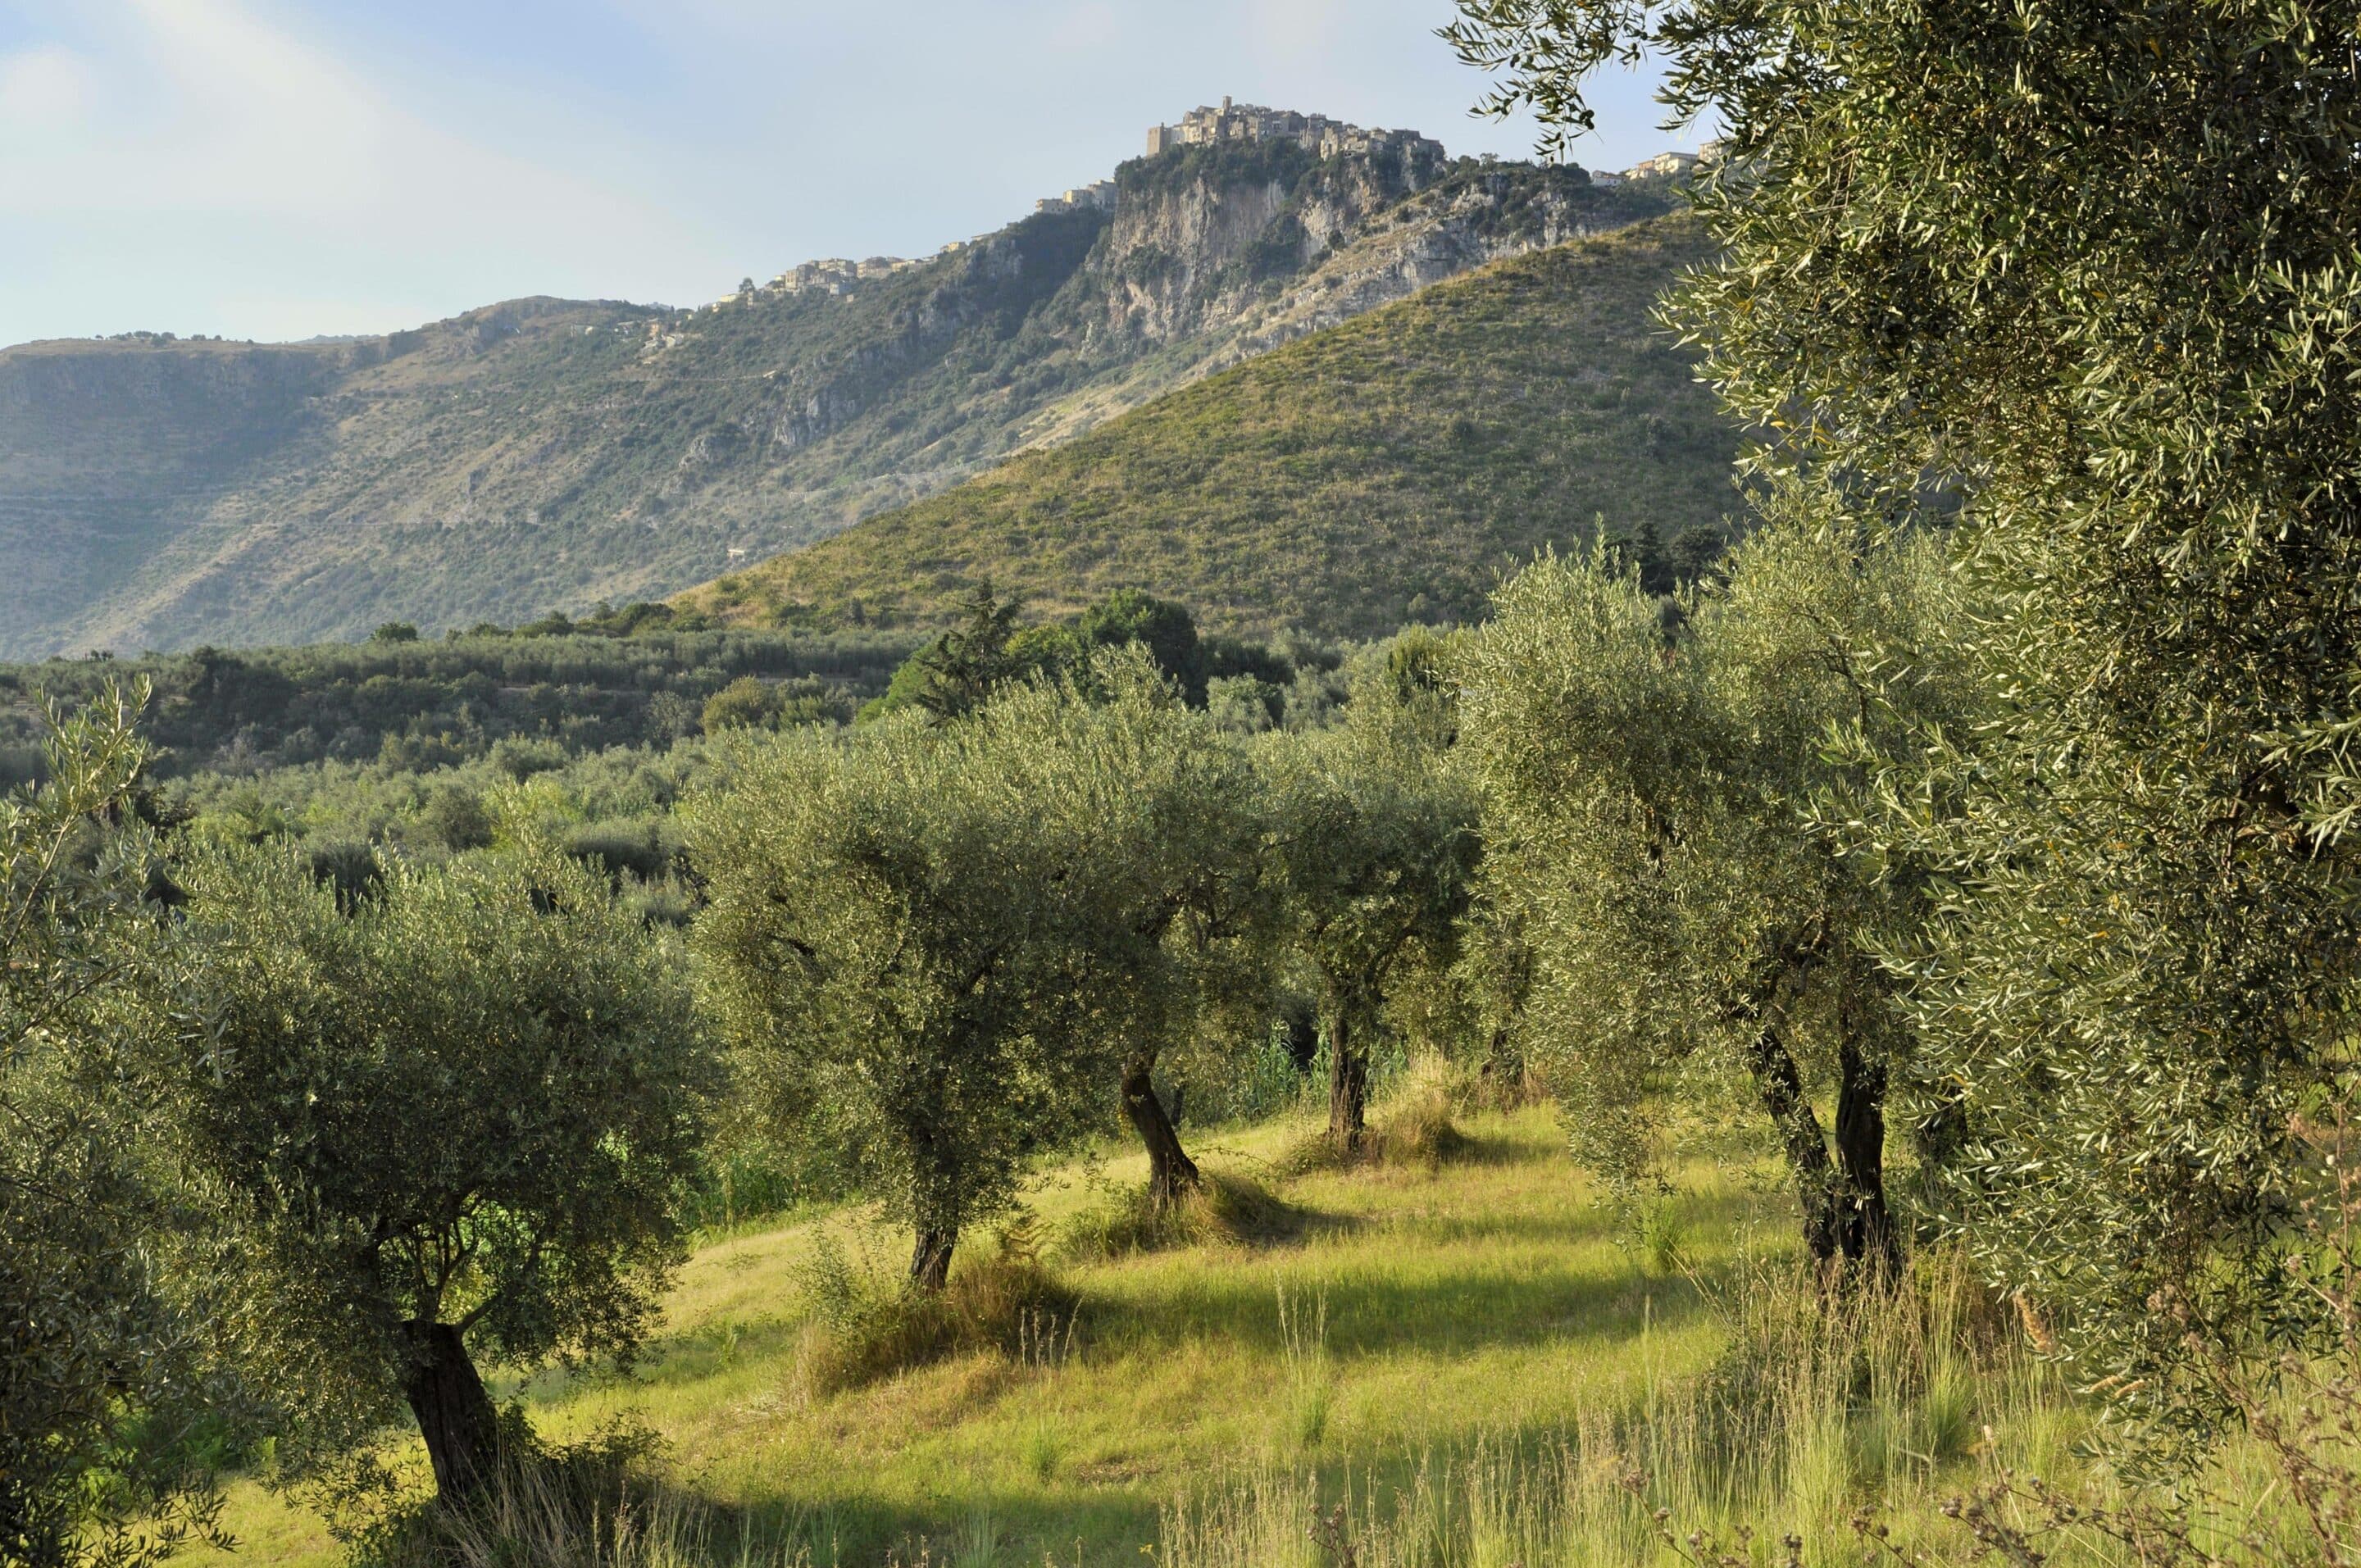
(1865, 1223)
(1781, 1085)
(454, 1414)
(1348, 1087)
(930, 1258)
(1845, 1214)
(1170, 1171)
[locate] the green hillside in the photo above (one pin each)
(545, 454)
(1383, 470)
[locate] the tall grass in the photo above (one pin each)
(1828, 1406)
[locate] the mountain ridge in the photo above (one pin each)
(543, 454)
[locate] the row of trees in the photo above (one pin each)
(304, 1149)
(961, 943)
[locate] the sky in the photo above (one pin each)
(281, 168)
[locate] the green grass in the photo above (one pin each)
(1388, 469)
(1468, 1354)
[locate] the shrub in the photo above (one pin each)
(1220, 1211)
(639, 849)
(868, 1324)
(455, 818)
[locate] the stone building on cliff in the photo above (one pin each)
(1316, 134)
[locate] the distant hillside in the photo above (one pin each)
(544, 454)
(1384, 470)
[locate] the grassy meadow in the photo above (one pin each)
(1470, 1360)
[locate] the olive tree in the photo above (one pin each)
(1176, 899)
(2094, 268)
(1654, 807)
(103, 1364)
(453, 1117)
(1375, 847)
(891, 950)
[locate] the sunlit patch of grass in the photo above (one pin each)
(1466, 1349)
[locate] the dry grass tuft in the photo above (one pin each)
(590, 1505)
(866, 1326)
(1416, 1131)
(1220, 1211)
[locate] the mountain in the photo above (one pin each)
(1384, 470)
(542, 453)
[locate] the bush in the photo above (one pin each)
(746, 703)
(455, 818)
(349, 866)
(639, 849)
(1220, 1211)
(867, 1325)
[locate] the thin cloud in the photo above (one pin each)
(204, 110)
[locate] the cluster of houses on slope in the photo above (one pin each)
(1663, 166)
(837, 275)
(1099, 194)
(1234, 121)
(1316, 134)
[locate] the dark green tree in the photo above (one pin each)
(2092, 269)
(1165, 628)
(453, 1114)
(1696, 552)
(958, 674)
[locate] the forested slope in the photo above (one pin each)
(1384, 470)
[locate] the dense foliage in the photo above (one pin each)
(640, 676)
(104, 1374)
(1651, 790)
(2091, 270)
(453, 1110)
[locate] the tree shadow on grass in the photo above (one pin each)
(1370, 1313)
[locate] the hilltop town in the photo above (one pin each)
(1205, 125)
(1317, 133)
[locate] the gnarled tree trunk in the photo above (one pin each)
(1865, 1224)
(1170, 1171)
(1348, 1087)
(930, 1258)
(1782, 1088)
(454, 1414)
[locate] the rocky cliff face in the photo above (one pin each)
(545, 453)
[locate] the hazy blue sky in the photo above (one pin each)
(274, 168)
